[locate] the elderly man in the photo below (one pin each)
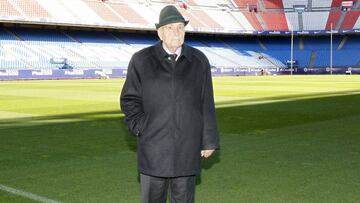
(168, 104)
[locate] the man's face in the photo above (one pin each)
(172, 35)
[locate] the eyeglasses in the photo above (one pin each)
(180, 27)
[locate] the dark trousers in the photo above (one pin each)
(154, 189)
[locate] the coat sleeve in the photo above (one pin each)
(131, 100)
(210, 138)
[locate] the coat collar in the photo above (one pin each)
(161, 53)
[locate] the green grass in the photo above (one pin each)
(283, 139)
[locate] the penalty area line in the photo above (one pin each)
(27, 194)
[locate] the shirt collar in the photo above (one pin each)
(185, 51)
(177, 51)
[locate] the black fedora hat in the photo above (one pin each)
(169, 14)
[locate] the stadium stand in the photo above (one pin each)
(104, 11)
(322, 4)
(293, 21)
(89, 49)
(7, 9)
(273, 4)
(275, 20)
(243, 22)
(128, 13)
(350, 19)
(292, 3)
(243, 43)
(318, 24)
(216, 15)
(204, 3)
(357, 24)
(205, 18)
(30, 8)
(333, 19)
(337, 3)
(194, 21)
(245, 3)
(224, 19)
(251, 17)
(352, 43)
(40, 48)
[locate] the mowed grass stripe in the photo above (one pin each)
(276, 146)
(12, 115)
(288, 164)
(47, 105)
(71, 94)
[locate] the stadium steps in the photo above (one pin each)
(219, 54)
(291, 3)
(312, 59)
(203, 18)
(261, 5)
(228, 54)
(117, 38)
(207, 20)
(70, 37)
(22, 41)
(261, 21)
(300, 19)
(342, 43)
(16, 36)
(273, 5)
(7, 9)
(333, 19)
(275, 20)
(350, 19)
(239, 21)
(301, 43)
(223, 44)
(253, 20)
(319, 24)
(269, 60)
(17, 8)
(226, 45)
(115, 13)
(91, 63)
(195, 22)
(128, 13)
(309, 7)
(262, 45)
(340, 21)
(32, 8)
(22, 63)
(104, 11)
(231, 4)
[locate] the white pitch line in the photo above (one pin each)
(27, 194)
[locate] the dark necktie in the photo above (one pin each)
(172, 57)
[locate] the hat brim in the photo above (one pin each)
(158, 25)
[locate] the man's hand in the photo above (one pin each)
(207, 153)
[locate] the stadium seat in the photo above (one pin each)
(333, 19)
(351, 20)
(7, 9)
(273, 4)
(275, 20)
(35, 48)
(318, 24)
(322, 4)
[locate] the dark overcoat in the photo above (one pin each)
(169, 106)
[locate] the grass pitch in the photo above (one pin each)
(283, 139)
